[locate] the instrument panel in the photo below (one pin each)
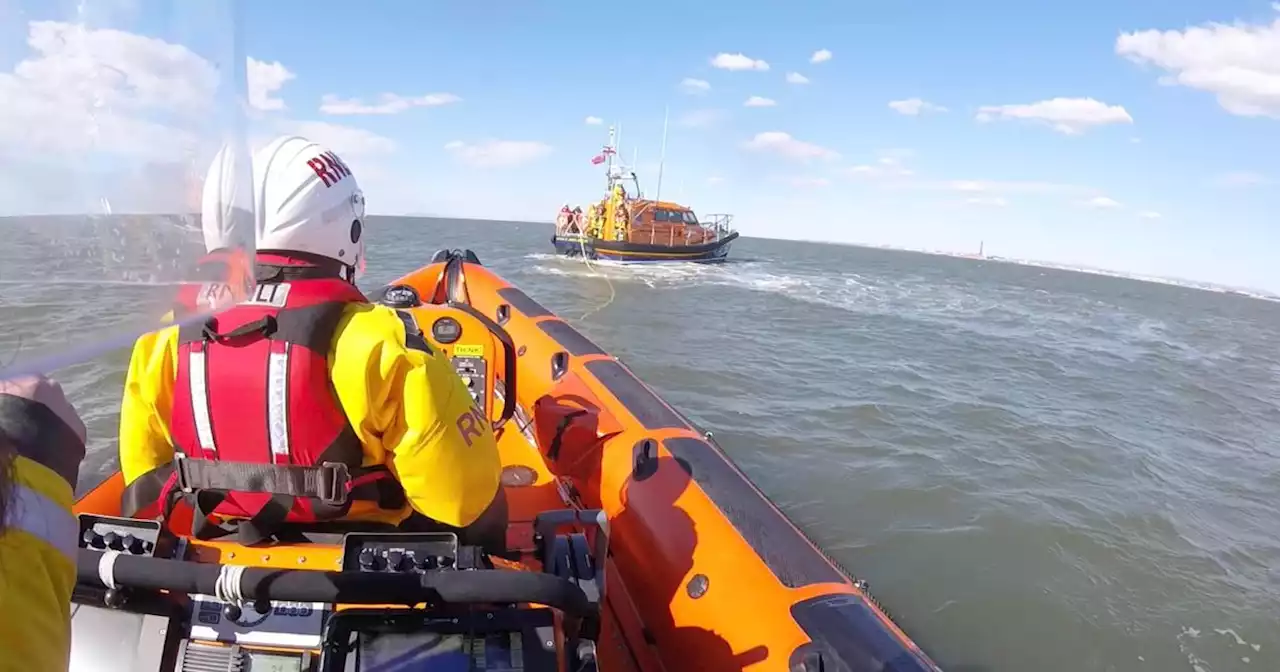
(461, 334)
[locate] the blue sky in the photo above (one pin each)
(1074, 132)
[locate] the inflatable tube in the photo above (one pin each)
(718, 576)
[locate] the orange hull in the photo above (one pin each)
(704, 573)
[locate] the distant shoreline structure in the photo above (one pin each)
(1249, 292)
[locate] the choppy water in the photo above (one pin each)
(1034, 469)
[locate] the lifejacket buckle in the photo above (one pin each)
(179, 469)
(334, 487)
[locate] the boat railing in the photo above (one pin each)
(720, 223)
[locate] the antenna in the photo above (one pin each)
(666, 112)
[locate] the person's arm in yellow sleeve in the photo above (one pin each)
(41, 447)
(405, 404)
(144, 409)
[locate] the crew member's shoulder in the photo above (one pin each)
(381, 322)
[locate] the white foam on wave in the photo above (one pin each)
(1191, 638)
(1000, 312)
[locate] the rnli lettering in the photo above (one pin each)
(214, 295)
(270, 294)
(329, 168)
(472, 424)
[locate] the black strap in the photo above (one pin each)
(206, 484)
(413, 338)
(328, 482)
(553, 451)
(266, 326)
(259, 528)
(317, 268)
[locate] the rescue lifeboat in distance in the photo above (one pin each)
(628, 228)
(635, 543)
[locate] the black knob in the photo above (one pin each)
(92, 538)
(425, 562)
(131, 544)
(112, 540)
(367, 558)
(395, 560)
(115, 598)
(445, 561)
(232, 612)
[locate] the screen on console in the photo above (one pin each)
(270, 662)
(437, 652)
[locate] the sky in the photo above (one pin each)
(1140, 136)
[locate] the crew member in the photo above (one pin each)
(41, 447)
(575, 225)
(306, 404)
(565, 216)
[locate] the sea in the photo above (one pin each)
(1033, 468)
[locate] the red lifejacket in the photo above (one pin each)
(257, 428)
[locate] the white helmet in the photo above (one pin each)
(225, 201)
(307, 200)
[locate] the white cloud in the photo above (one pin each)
(264, 80)
(889, 165)
(103, 89)
(389, 103)
(1149, 214)
(594, 121)
(1007, 187)
(1066, 115)
(914, 106)
(803, 181)
(1239, 63)
(699, 118)
(91, 114)
(695, 86)
(344, 140)
(737, 61)
(783, 144)
(1102, 203)
(498, 153)
(757, 101)
(715, 179)
(989, 201)
(820, 56)
(1241, 178)
(796, 78)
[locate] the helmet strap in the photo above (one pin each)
(301, 266)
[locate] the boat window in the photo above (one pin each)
(674, 216)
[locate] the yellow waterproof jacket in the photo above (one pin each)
(38, 546)
(403, 404)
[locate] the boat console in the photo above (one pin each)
(140, 604)
(475, 344)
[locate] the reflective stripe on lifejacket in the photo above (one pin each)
(242, 378)
(43, 518)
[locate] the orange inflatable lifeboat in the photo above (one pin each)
(636, 544)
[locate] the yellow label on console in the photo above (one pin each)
(468, 350)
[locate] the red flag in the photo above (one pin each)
(597, 160)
